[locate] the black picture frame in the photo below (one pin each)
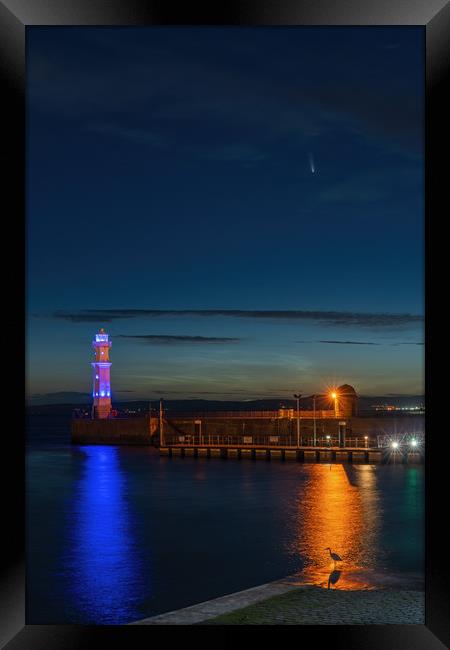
(434, 16)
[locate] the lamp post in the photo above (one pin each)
(161, 434)
(297, 397)
(314, 397)
(314, 420)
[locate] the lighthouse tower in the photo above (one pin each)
(101, 391)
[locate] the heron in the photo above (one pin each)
(334, 556)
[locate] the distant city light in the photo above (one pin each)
(390, 407)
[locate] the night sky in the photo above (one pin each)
(240, 208)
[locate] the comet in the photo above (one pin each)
(311, 163)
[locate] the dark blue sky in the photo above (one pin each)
(253, 169)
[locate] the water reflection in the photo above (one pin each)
(338, 508)
(333, 578)
(104, 567)
(114, 535)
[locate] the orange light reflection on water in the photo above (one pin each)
(339, 509)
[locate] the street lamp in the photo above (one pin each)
(334, 397)
(366, 438)
(297, 397)
(314, 420)
(314, 397)
(161, 433)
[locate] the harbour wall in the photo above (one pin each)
(145, 430)
(114, 431)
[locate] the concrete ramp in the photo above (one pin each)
(217, 606)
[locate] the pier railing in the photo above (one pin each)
(270, 415)
(176, 440)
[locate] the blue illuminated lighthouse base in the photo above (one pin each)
(101, 383)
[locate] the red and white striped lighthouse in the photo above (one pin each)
(101, 391)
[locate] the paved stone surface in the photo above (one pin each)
(292, 601)
(218, 606)
(317, 606)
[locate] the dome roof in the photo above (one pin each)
(346, 389)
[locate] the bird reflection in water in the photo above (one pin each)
(340, 508)
(333, 578)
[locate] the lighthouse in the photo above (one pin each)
(101, 386)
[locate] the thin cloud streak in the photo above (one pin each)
(171, 339)
(349, 342)
(139, 136)
(343, 318)
(362, 342)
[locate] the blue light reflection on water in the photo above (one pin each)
(115, 534)
(102, 563)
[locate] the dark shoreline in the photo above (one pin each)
(390, 599)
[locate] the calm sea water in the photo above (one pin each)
(116, 534)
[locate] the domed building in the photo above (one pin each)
(347, 401)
